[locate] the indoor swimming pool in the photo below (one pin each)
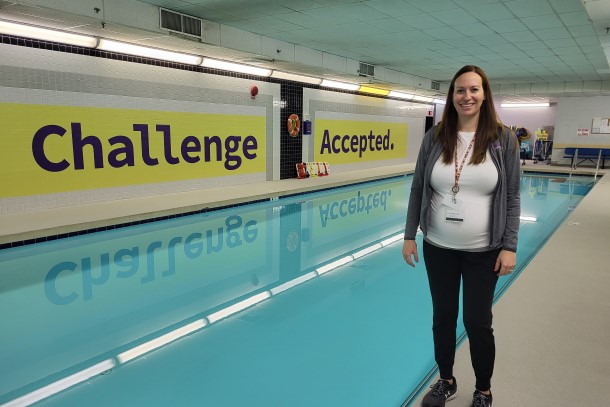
(298, 301)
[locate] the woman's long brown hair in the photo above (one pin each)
(487, 127)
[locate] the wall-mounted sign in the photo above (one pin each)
(345, 138)
(601, 125)
(50, 149)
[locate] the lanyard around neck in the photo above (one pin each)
(458, 171)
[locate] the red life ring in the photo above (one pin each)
(294, 125)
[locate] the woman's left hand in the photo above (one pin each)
(506, 262)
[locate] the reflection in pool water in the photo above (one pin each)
(339, 319)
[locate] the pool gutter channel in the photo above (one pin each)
(32, 227)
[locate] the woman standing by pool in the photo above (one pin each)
(465, 198)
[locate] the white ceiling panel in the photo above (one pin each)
(520, 36)
(576, 18)
(529, 8)
(541, 22)
(474, 29)
(455, 17)
(428, 6)
(565, 6)
(488, 13)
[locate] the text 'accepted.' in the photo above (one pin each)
(355, 143)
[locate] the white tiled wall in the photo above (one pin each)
(575, 113)
(29, 75)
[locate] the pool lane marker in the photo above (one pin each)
(62, 384)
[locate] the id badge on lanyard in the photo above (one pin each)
(454, 211)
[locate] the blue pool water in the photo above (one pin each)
(149, 315)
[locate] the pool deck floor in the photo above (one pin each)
(552, 326)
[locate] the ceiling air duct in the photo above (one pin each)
(181, 23)
(366, 70)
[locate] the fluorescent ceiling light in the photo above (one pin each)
(423, 98)
(334, 264)
(339, 85)
(401, 95)
(543, 104)
(160, 341)
(46, 34)
(297, 78)
(233, 67)
(439, 101)
(292, 283)
(235, 308)
(62, 384)
(373, 91)
(148, 52)
(529, 218)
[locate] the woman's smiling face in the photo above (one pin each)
(468, 95)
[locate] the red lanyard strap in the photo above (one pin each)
(455, 189)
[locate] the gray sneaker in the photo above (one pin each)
(441, 392)
(481, 400)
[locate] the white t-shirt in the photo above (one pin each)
(477, 184)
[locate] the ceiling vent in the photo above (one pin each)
(180, 23)
(435, 85)
(366, 70)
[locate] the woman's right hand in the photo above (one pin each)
(409, 248)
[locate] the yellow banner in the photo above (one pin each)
(48, 149)
(353, 141)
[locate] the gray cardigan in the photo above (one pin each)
(506, 200)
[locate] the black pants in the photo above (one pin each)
(446, 269)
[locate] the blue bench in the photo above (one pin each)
(586, 154)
